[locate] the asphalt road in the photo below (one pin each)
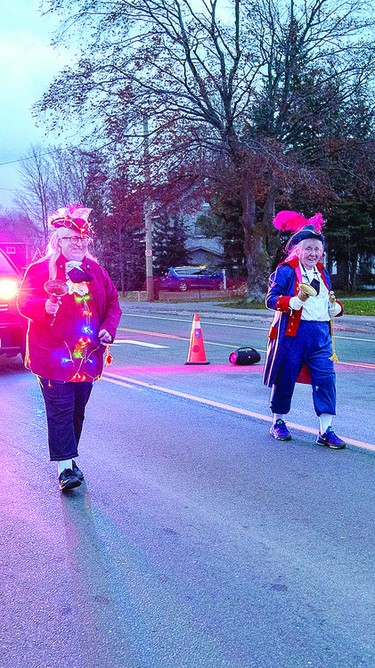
(196, 540)
(167, 327)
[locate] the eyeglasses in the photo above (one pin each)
(76, 240)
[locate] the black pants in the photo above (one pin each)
(65, 409)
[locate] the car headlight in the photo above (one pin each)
(8, 288)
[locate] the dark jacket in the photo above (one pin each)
(282, 286)
(66, 347)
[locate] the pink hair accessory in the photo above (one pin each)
(73, 216)
(317, 221)
(291, 221)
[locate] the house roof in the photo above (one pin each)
(209, 245)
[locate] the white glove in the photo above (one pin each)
(333, 309)
(295, 303)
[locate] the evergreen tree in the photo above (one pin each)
(253, 89)
(168, 242)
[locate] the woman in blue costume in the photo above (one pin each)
(300, 341)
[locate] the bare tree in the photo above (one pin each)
(55, 177)
(204, 72)
(320, 57)
(33, 199)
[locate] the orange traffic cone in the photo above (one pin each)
(196, 353)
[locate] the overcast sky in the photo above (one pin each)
(27, 65)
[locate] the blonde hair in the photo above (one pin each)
(53, 251)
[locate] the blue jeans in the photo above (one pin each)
(65, 409)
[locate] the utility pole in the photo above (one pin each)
(147, 210)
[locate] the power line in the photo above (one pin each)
(12, 161)
(52, 150)
(31, 157)
(28, 157)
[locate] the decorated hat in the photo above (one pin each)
(73, 217)
(307, 232)
(303, 228)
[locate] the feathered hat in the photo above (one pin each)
(303, 228)
(74, 217)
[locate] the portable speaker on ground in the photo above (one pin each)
(244, 356)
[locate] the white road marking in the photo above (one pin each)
(176, 338)
(138, 343)
(206, 322)
(233, 346)
(236, 325)
(120, 382)
(119, 379)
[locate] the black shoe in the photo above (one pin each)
(77, 472)
(67, 480)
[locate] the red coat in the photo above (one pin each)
(66, 347)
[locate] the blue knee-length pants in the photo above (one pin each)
(312, 345)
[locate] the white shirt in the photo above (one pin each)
(315, 308)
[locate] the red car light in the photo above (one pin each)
(8, 289)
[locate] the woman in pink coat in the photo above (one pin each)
(73, 312)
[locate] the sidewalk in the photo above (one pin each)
(347, 323)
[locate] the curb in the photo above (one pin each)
(346, 323)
